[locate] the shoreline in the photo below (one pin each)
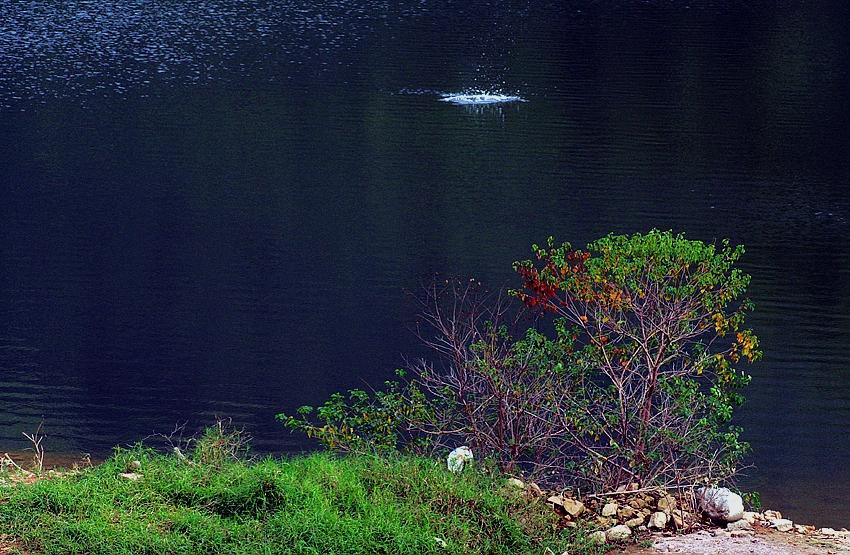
(682, 531)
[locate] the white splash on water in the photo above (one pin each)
(478, 98)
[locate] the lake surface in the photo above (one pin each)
(215, 207)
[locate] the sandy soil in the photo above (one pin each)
(764, 542)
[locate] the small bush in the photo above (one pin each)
(635, 383)
(654, 325)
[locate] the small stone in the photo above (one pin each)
(605, 521)
(555, 500)
(573, 507)
(739, 525)
(666, 503)
(638, 503)
(782, 524)
(610, 509)
(658, 520)
(132, 476)
(625, 513)
(134, 466)
(516, 483)
(597, 537)
(618, 533)
(804, 528)
(771, 515)
(750, 516)
(635, 522)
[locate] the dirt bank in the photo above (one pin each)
(764, 541)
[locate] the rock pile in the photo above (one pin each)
(620, 515)
(631, 511)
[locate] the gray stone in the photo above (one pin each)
(132, 476)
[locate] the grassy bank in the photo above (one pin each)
(315, 504)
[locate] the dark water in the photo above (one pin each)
(215, 207)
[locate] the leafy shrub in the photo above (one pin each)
(636, 383)
(656, 325)
(364, 423)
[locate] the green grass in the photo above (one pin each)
(318, 504)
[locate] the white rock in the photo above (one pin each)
(658, 520)
(132, 476)
(782, 524)
(750, 516)
(618, 533)
(597, 537)
(458, 458)
(721, 504)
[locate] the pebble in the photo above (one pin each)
(782, 524)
